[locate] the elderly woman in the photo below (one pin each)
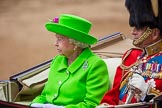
(78, 78)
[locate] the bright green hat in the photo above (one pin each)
(73, 27)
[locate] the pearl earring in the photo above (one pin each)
(75, 48)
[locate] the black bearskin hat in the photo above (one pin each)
(145, 13)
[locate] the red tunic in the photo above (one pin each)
(112, 96)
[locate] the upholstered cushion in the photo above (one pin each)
(37, 78)
(112, 64)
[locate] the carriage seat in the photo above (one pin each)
(112, 64)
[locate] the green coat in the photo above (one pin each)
(80, 85)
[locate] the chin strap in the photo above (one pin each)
(143, 37)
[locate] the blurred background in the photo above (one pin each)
(24, 41)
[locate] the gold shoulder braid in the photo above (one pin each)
(127, 68)
(125, 81)
(128, 74)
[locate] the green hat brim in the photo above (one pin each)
(70, 32)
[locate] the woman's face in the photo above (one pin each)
(64, 47)
(137, 33)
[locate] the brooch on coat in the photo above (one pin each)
(85, 65)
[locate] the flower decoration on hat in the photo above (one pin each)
(66, 25)
(56, 19)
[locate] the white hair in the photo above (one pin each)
(79, 44)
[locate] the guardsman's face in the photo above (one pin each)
(137, 33)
